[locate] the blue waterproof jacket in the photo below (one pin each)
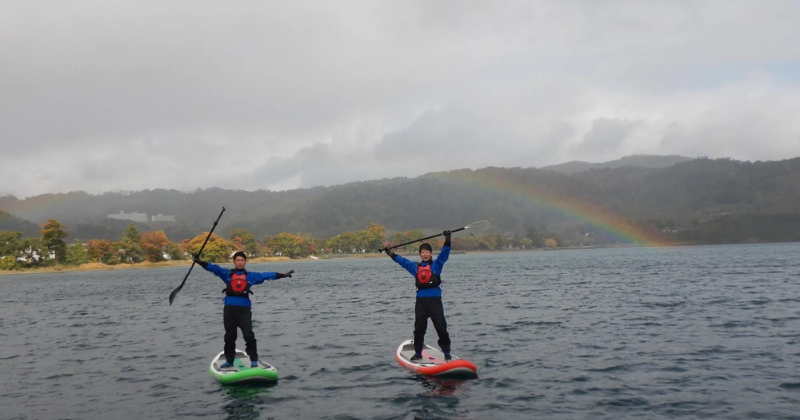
(436, 268)
(252, 279)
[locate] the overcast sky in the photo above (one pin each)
(127, 95)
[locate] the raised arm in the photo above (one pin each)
(444, 254)
(410, 266)
(258, 278)
(218, 271)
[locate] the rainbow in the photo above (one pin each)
(596, 216)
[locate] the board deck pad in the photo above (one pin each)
(433, 362)
(430, 356)
(241, 362)
(241, 370)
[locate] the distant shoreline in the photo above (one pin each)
(135, 266)
(186, 263)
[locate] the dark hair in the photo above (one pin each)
(425, 246)
(239, 254)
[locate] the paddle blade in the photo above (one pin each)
(174, 293)
(483, 224)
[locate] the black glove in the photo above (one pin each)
(447, 234)
(198, 261)
(389, 252)
(282, 275)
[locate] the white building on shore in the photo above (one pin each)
(162, 218)
(133, 216)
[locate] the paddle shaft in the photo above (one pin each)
(422, 239)
(178, 289)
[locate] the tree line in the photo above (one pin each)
(133, 246)
(702, 201)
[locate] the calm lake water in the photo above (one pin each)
(689, 332)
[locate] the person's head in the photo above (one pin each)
(425, 251)
(239, 260)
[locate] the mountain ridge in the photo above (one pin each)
(511, 198)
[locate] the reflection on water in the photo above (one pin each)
(435, 387)
(245, 402)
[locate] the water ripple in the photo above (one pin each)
(663, 333)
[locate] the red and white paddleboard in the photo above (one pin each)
(433, 363)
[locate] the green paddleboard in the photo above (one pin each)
(241, 372)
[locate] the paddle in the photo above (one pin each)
(178, 289)
(480, 224)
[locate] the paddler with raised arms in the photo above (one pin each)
(236, 313)
(427, 275)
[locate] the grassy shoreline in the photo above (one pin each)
(186, 263)
(106, 267)
(182, 263)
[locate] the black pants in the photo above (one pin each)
(239, 317)
(425, 308)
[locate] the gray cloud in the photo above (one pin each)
(605, 138)
(102, 96)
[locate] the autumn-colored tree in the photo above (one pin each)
(242, 240)
(264, 249)
(76, 254)
(398, 238)
(218, 249)
(408, 236)
(356, 241)
(335, 244)
(184, 246)
(376, 236)
(153, 245)
(101, 250)
(526, 243)
(53, 234)
(349, 242)
(464, 244)
(286, 244)
(470, 242)
(550, 243)
(237, 244)
(307, 246)
(320, 246)
(487, 241)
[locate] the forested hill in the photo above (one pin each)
(687, 194)
(11, 223)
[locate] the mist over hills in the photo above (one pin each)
(685, 194)
(9, 222)
(646, 161)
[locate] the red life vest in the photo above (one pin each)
(426, 278)
(238, 286)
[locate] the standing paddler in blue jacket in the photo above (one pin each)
(429, 294)
(236, 313)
